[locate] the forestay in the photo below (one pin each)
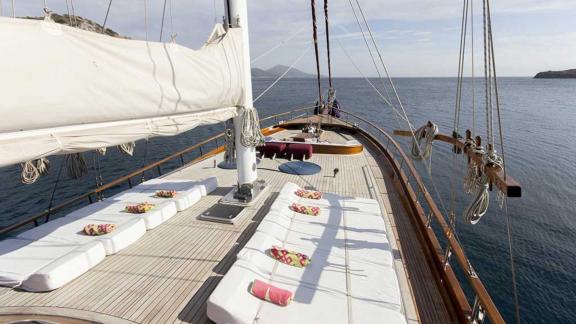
(67, 90)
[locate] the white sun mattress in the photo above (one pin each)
(45, 265)
(69, 230)
(351, 278)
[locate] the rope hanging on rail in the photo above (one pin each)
(480, 203)
(32, 170)
(427, 132)
(77, 166)
(127, 148)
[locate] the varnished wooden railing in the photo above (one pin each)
(410, 182)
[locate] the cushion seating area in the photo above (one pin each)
(45, 265)
(189, 192)
(299, 151)
(69, 230)
(272, 149)
(48, 256)
(351, 266)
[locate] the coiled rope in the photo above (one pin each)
(427, 132)
(76, 166)
(480, 203)
(251, 135)
(32, 170)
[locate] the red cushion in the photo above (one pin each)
(271, 148)
(299, 150)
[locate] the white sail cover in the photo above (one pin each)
(66, 90)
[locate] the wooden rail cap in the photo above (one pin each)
(509, 186)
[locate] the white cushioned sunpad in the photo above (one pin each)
(350, 278)
(206, 186)
(45, 265)
(70, 230)
(159, 214)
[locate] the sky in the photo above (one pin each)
(417, 38)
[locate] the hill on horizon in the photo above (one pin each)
(278, 70)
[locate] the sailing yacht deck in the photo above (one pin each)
(169, 273)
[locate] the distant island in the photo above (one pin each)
(566, 74)
(277, 70)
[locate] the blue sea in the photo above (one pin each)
(538, 122)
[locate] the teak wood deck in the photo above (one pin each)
(167, 275)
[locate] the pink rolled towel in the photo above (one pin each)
(270, 293)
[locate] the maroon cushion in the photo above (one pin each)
(271, 148)
(299, 150)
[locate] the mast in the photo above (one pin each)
(237, 17)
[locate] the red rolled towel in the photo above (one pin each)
(270, 293)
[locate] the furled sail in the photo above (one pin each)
(66, 90)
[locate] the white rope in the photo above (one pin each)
(101, 151)
(283, 74)
(127, 148)
(275, 47)
(480, 203)
(427, 132)
(251, 134)
(43, 165)
(76, 166)
(29, 173)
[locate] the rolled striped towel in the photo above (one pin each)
(140, 208)
(290, 257)
(306, 210)
(166, 193)
(99, 229)
(270, 293)
(309, 194)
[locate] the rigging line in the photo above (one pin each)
(369, 82)
(461, 61)
(485, 71)
(146, 19)
(163, 15)
(56, 183)
(508, 218)
(1, 11)
(473, 67)
(171, 18)
(13, 10)
(68, 11)
(500, 128)
(315, 39)
(385, 67)
(368, 46)
(106, 18)
(408, 122)
(328, 43)
(279, 44)
(73, 12)
(283, 74)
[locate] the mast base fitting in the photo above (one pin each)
(245, 194)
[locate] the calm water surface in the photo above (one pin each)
(539, 118)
